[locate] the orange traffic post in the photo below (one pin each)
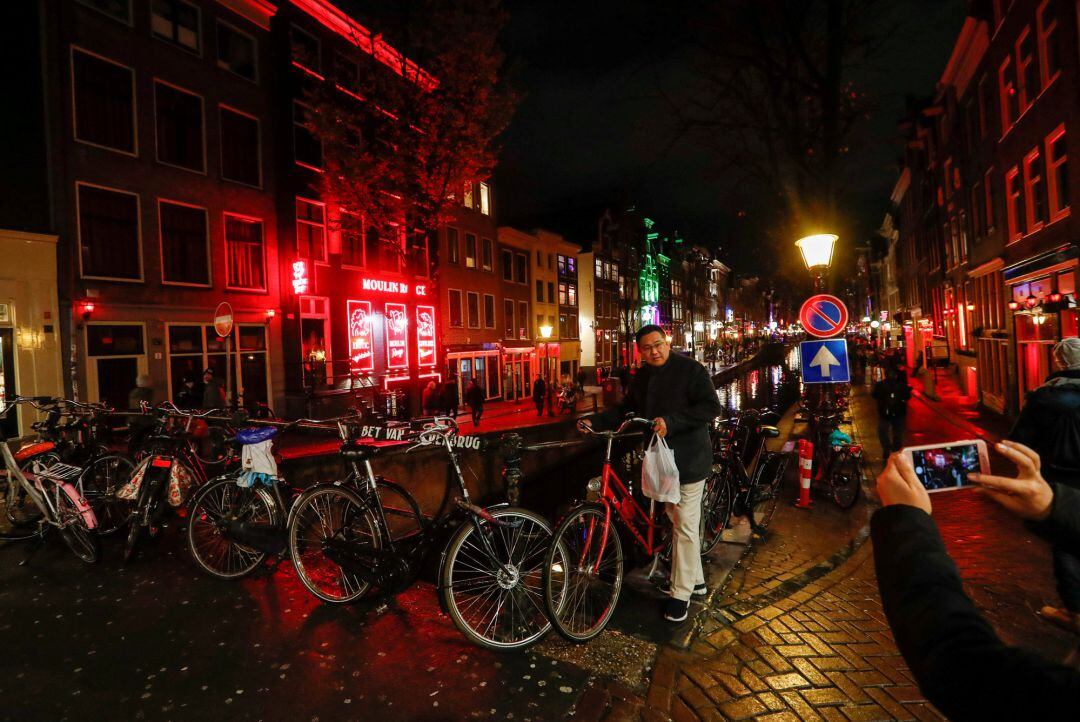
(806, 462)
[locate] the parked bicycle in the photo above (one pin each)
(838, 460)
(583, 569)
(746, 476)
(72, 433)
(344, 539)
(53, 490)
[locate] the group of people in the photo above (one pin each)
(207, 393)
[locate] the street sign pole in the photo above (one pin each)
(224, 326)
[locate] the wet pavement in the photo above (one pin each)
(792, 627)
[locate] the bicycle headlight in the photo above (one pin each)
(593, 485)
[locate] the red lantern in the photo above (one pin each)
(1055, 297)
(1013, 305)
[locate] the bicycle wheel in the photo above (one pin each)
(716, 505)
(845, 481)
(219, 504)
(492, 579)
(79, 538)
(583, 573)
(20, 509)
(766, 488)
(215, 447)
(332, 518)
(100, 481)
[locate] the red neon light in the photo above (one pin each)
(399, 287)
(299, 277)
(361, 343)
(425, 335)
(397, 336)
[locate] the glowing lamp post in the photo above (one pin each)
(817, 253)
(545, 334)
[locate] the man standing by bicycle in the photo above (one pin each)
(678, 395)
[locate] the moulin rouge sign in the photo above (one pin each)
(397, 336)
(361, 349)
(397, 287)
(425, 335)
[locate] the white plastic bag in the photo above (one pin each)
(659, 475)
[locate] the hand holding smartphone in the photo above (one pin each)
(945, 467)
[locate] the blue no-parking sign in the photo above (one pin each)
(825, 361)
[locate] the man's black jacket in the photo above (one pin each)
(1050, 424)
(958, 660)
(682, 393)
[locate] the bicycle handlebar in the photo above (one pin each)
(628, 422)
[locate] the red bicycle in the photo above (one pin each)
(583, 569)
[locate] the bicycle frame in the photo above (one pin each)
(34, 486)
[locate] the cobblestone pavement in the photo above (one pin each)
(798, 632)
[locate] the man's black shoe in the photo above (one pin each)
(699, 591)
(676, 610)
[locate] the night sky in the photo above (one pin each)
(593, 123)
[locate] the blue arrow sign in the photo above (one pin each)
(825, 361)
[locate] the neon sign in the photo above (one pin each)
(399, 287)
(299, 277)
(397, 336)
(425, 335)
(361, 347)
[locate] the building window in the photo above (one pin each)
(177, 22)
(1034, 191)
(978, 213)
(237, 52)
(507, 265)
(346, 73)
(551, 292)
(599, 268)
(418, 254)
(990, 191)
(1027, 69)
(185, 247)
(1014, 204)
(305, 50)
(240, 157)
(244, 253)
(116, 9)
(179, 127)
(470, 250)
(1007, 93)
(508, 318)
(352, 240)
(468, 195)
(453, 247)
(487, 257)
(310, 230)
(489, 311)
(474, 309)
(454, 307)
(109, 233)
(485, 199)
(523, 319)
(521, 262)
(986, 105)
(1057, 173)
(104, 102)
(1049, 54)
(539, 291)
(307, 148)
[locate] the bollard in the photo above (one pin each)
(806, 463)
(512, 474)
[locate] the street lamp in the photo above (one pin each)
(545, 334)
(817, 253)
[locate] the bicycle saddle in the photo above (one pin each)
(770, 432)
(357, 451)
(255, 435)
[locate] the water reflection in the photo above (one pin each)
(767, 384)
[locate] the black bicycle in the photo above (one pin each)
(348, 536)
(746, 476)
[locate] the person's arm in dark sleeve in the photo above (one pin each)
(957, 659)
(1062, 527)
(611, 418)
(702, 404)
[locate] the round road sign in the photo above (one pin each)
(823, 315)
(223, 319)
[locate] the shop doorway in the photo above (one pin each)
(10, 423)
(517, 377)
(116, 355)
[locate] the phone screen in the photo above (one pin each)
(946, 467)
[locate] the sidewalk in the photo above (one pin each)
(960, 410)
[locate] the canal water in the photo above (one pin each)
(771, 381)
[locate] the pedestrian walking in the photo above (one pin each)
(190, 395)
(1050, 424)
(450, 398)
(582, 377)
(474, 397)
(213, 392)
(624, 378)
(677, 394)
(892, 394)
(140, 426)
(431, 399)
(539, 393)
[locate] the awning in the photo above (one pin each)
(1043, 262)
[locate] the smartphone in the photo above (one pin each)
(945, 467)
